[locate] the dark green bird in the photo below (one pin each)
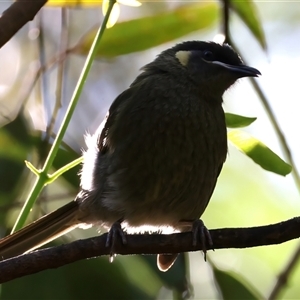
(155, 160)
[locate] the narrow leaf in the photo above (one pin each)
(236, 121)
(144, 33)
(259, 152)
(248, 13)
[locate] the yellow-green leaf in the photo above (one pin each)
(84, 3)
(259, 152)
(144, 33)
(114, 15)
(74, 3)
(249, 15)
(236, 121)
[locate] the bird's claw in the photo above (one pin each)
(115, 231)
(199, 230)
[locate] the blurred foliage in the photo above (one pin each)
(90, 279)
(138, 277)
(144, 33)
(16, 137)
(248, 14)
(232, 286)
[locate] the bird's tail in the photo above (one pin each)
(166, 261)
(40, 232)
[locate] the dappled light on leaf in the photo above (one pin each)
(259, 152)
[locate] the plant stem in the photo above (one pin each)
(42, 180)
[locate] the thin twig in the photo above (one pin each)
(64, 38)
(284, 275)
(278, 131)
(287, 270)
(274, 122)
(225, 21)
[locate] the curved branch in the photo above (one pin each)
(55, 257)
(16, 16)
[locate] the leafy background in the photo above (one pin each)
(267, 36)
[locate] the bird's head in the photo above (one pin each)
(210, 66)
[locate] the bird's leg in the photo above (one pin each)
(115, 231)
(199, 230)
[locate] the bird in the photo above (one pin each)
(155, 159)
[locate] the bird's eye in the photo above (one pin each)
(208, 55)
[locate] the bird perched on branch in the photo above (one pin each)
(157, 157)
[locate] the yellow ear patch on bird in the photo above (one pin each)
(183, 57)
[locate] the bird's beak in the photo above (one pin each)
(241, 70)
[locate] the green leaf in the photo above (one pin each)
(144, 33)
(236, 121)
(247, 12)
(259, 152)
(234, 287)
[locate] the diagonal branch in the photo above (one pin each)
(55, 257)
(16, 16)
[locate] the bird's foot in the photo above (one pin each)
(114, 233)
(200, 231)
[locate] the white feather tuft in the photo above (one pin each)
(90, 158)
